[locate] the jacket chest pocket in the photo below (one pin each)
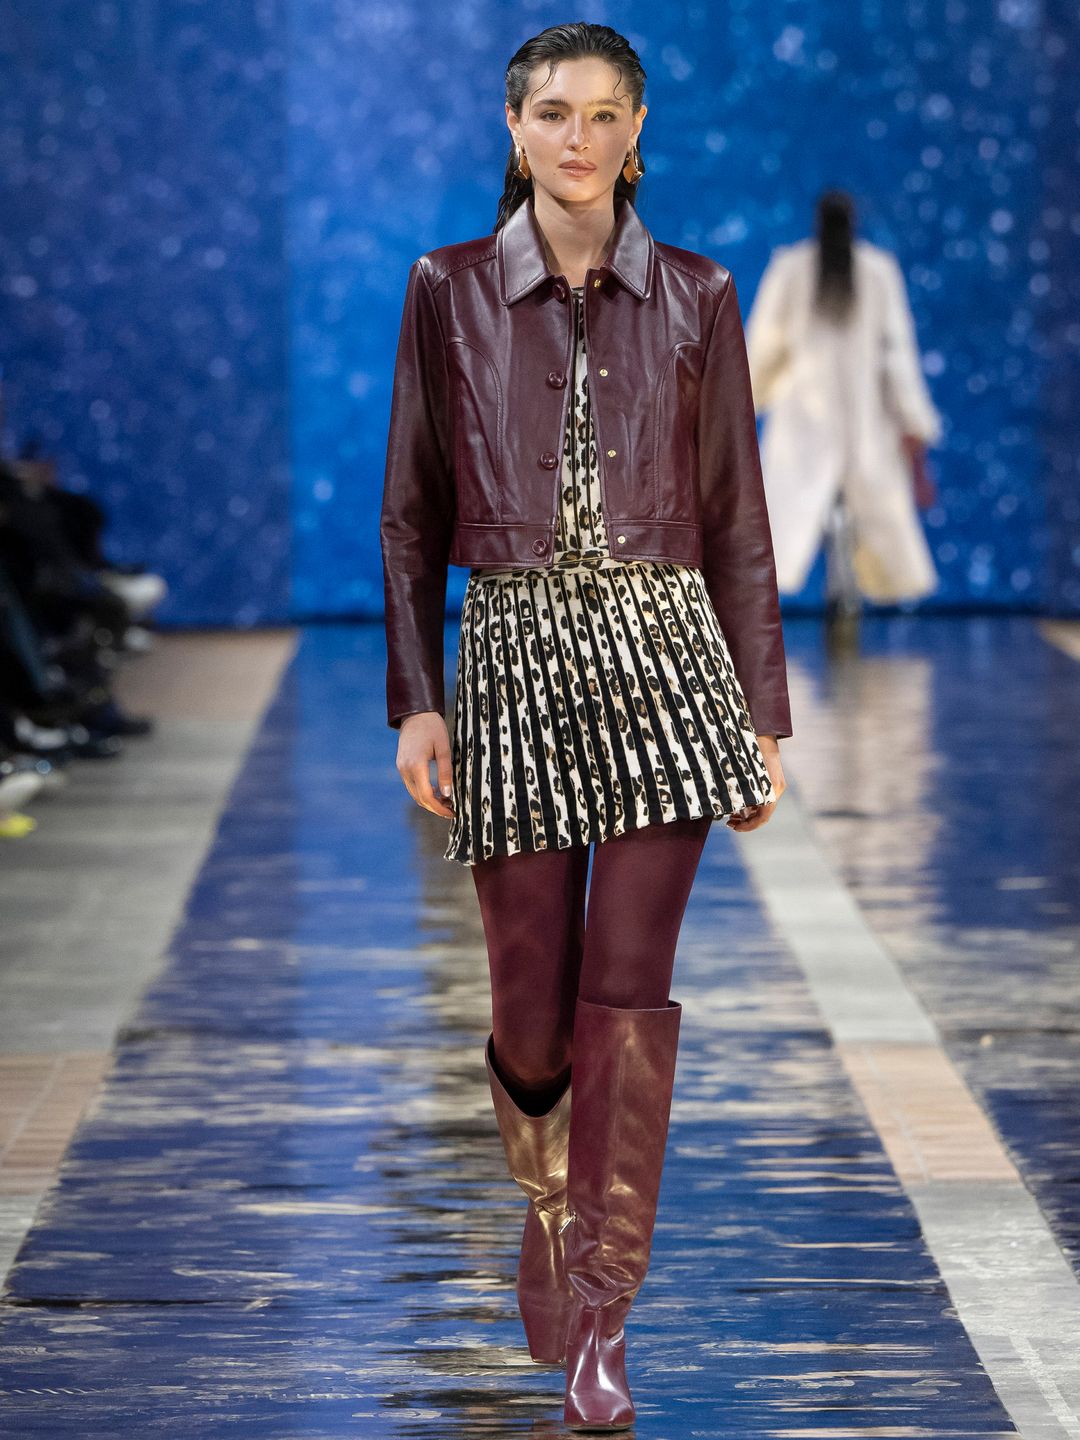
(478, 417)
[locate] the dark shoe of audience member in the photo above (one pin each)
(87, 746)
(107, 718)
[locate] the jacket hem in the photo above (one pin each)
(508, 544)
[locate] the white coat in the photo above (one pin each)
(836, 401)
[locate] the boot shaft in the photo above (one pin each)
(535, 1146)
(623, 1075)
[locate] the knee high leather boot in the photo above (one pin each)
(536, 1154)
(624, 1069)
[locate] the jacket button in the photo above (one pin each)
(611, 454)
(556, 379)
(539, 546)
(549, 459)
(559, 290)
(602, 371)
(621, 539)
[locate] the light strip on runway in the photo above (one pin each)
(92, 939)
(1014, 1291)
(1065, 634)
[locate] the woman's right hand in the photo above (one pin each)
(423, 737)
(755, 815)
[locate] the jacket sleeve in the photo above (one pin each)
(418, 504)
(905, 386)
(767, 331)
(739, 568)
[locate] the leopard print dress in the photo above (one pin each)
(594, 695)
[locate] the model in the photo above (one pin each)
(573, 420)
(836, 371)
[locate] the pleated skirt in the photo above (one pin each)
(591, 701)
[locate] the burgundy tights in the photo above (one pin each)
(542, 954)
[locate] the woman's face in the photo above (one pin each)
(576, 128)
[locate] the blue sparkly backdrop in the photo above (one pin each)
(210, 209)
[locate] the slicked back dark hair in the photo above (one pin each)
(835, 290)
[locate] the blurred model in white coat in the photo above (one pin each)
(836, 370)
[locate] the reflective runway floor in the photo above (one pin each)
(285, 1211)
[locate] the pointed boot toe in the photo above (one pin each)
(597, 1394)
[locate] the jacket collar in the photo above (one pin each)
(523, 263)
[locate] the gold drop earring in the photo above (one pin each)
(521, 162)
(634, 167)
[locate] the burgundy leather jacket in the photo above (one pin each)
(476, 437)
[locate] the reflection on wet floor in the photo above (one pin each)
(289, 1214)
(939, 766)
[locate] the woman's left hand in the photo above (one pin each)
(756, 815)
